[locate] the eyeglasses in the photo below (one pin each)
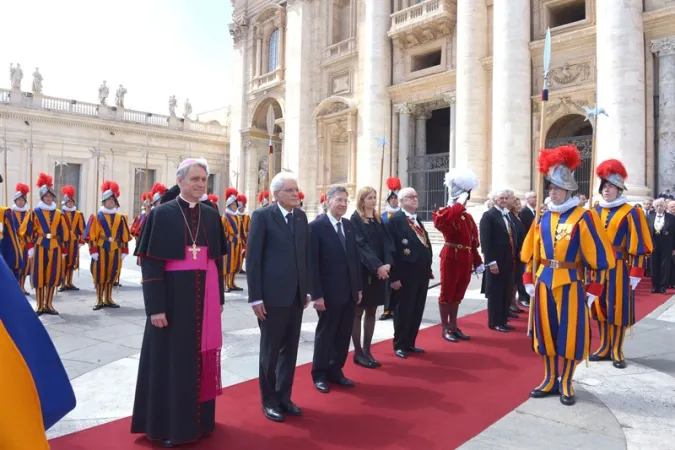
(291, 190)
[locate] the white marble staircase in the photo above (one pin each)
(435, 236)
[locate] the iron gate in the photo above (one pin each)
(426, 174)
(585, 145)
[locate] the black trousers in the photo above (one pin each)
(660, 266)
(409, 303)
(279, 339)
(500, 292)
(331, 343)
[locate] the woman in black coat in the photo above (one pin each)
(375, 248)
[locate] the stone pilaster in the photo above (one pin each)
(404, 111)
(511, 89)
(421, 117)
(241, 77)
(621, 89)
(472, 47)
(665, 51)
(451, 98)
(374, 105)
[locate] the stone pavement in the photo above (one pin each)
(100, 351)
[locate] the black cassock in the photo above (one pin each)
(167, 403)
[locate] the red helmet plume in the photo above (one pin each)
(263, 195)
(567, 155)
(322, 199)
(241, 198)
(213, 198)
(45, 180)
(230, 192)
(68, 191)
(105, 186)
(611, 167)
(23, 188)
(394, 183)
(158, 187)
(301, 195)
(115, 188)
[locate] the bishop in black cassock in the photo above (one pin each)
(179, 369)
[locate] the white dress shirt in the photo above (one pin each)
(659, 222)
(334, 222)
(414, 219)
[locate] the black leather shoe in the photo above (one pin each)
(274, 414)
(537, 393)
(415, 350)
(322, 386)
(458, 333)
(509, 327)
(663, 291)
(342, 381)
(401, 354)
(513, 315)
(373, 361)
(524, 303)
(73, 288)
(363, 361)
(500, 329)
(166, 443)
(596, 358)
(567, 400)
(291, 409)
(449, 336)
(97, 307)
(619, 364)
(515, 309)
(653, 291)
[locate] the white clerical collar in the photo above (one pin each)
(23, 208)
(568, 204)
(192, 205)
(332, 219)
(410, 216)
(69, 208)
(47, 207)
(614, 203)
(105, 210)
(284, 212)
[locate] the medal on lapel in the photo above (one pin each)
(406, 251)
(404, 241)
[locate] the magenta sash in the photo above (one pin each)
(212, 337)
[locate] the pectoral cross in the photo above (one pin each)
(194, 250)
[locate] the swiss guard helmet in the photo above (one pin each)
(612, 171)
(45, 185)
(558, 165)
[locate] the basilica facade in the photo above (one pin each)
(335, 90)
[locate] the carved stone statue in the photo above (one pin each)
(262, 174)
(119, 96)
(187, 108)
(37, 81)
(103, 92)
(172, 105)
(15, 75)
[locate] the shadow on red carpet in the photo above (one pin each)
(435, 401)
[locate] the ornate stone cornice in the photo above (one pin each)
(405, 108)
(238, 29)
(423, 113)
(663, 47)
(450, 97)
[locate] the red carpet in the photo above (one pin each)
(435, 401)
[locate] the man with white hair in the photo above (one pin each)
(279, 287)
(410, 274)
(662, 229)
(181, 249)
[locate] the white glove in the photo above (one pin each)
(480, 269)
(124, 255)
(529, 288)
(463, 198)
(634, 282)
(94, 256)
(590, 300)
(31, 252)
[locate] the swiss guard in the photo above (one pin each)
(75, 223)
(213, 198)
(459, 256)
(301, 197)
(567, 240)
(46, 234)
(631, 240)
(245, 227)
(323, 204)
(107, 234)
(394, 185)
(232, 225)
(135, 228)
(264, 198)
(12, 246)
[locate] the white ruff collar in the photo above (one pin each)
(230, 212)
(47, 207)
(24, 208)
(107, 211)
(241, 213)
(389, 209)
(565, 206)
(614, 203)
(69, 209)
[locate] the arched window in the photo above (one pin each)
(273, 51)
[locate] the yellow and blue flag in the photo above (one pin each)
(35, 392)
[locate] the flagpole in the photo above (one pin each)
(542, 145)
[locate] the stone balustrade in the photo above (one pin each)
(340, 50)
(434, 18)
(74, 107)
(267, 80)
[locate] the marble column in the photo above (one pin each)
(472, 47)
(282, 45)
(241, 75)
(375, 104)
(665, 51)
(621, 90)
(421, 118)
(450, 97)
(511, 91)
(258, 54)
(404, 111)
(299, 124)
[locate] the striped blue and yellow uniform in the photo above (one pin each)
(75, 222)
(245, 225)
(386, 216)
(628, 232)
(108, 237)
(232, 226)
(563, 245)
(12, 246)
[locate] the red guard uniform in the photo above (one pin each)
(459, 256)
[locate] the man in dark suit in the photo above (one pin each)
(278, 289)
(336, 289)
(526, 216)
(410, 274)
(498, 240)
(662, 228)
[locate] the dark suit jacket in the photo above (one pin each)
(666, 240)
(336, 273)
(277, 261)
(519, 232)
(526, 217)
(494, 240)
(372, 256)
(409, 250)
